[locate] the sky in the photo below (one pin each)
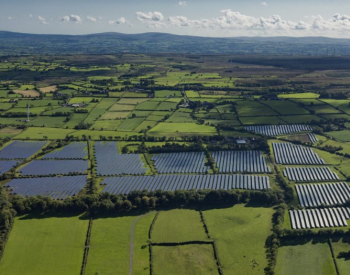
(220, 18)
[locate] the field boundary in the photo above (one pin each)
(87, 248)
(333, 257)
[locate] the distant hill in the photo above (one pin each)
(12, 43)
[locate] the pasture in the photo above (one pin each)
(110, 245)
(41, 245)
(191, 259)
(311, 258)
(230, 228)
(178, 225)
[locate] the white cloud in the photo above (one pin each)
(71, 18)
(182, 3)
(30, 15)
(10, 18)
(120, 21)
(151, 19)
(42, 20)
(264, 4)
(91, 19)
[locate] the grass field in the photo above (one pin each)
(148, 105)
(9, 132)
(230, 227)
(114, 115)
(178, 225)
(121, 108)
(47, 121)
(300, 119)
(164, 128)
(305, 259)
(75, 119)
(27, 93)
(166, 106)
(341, 245)
(299, 95)
(106, 125)
(144, 125)
(40, 133)
(41, 246)
(141, 250)
(132, 101)
(130, 124)
(285, 107)
(261, 120)
(167, 93)
(109, 246)
(343, 135)
(191, 259)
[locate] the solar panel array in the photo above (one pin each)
(192, 162)
(312, 137)
(109, 162)
(125, 185)
(21, 149)
(287, 153)
(74, 150)
(319, 218)
(54, 167)
(240, 161)
(55, 187)
(276, 130)
(6, 165)
(322, 194)
(310, 174)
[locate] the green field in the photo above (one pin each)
(178, 225)
(45, 245)
(164, 128)
(230, 227)
(343, 264)
(305, 259)
(299, 95)
(141, 248)
(340, 135)
(130, 123)
(191, 259)
(110, 246)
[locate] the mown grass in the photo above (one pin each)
(191, 259)
(299, 95)
(343, 135)
(109, 246)
(45, 245)
(164, 128)
(178, 225)
(141, 249)
(341, 245)
(308, 258)
(240, 233)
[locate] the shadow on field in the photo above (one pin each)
(300, 240)
(82, 216)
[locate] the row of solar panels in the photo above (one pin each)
(189, 162)
(125, 185)
(55, 187)
(287, 153)
(310, 174)
(311, 195)
(276, 130)
(319, 218)
(240, 161)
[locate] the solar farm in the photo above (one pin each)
(157, 165)
(319, 218)
(300, 174)
(110, 162)
(245, 161)
(286, 153)
(125, 185)
(21, 149)
(180, 163)
(56, 187)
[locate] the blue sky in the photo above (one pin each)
(204, 18)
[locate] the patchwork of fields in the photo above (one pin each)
(173, 165)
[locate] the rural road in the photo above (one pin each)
(132, 241)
